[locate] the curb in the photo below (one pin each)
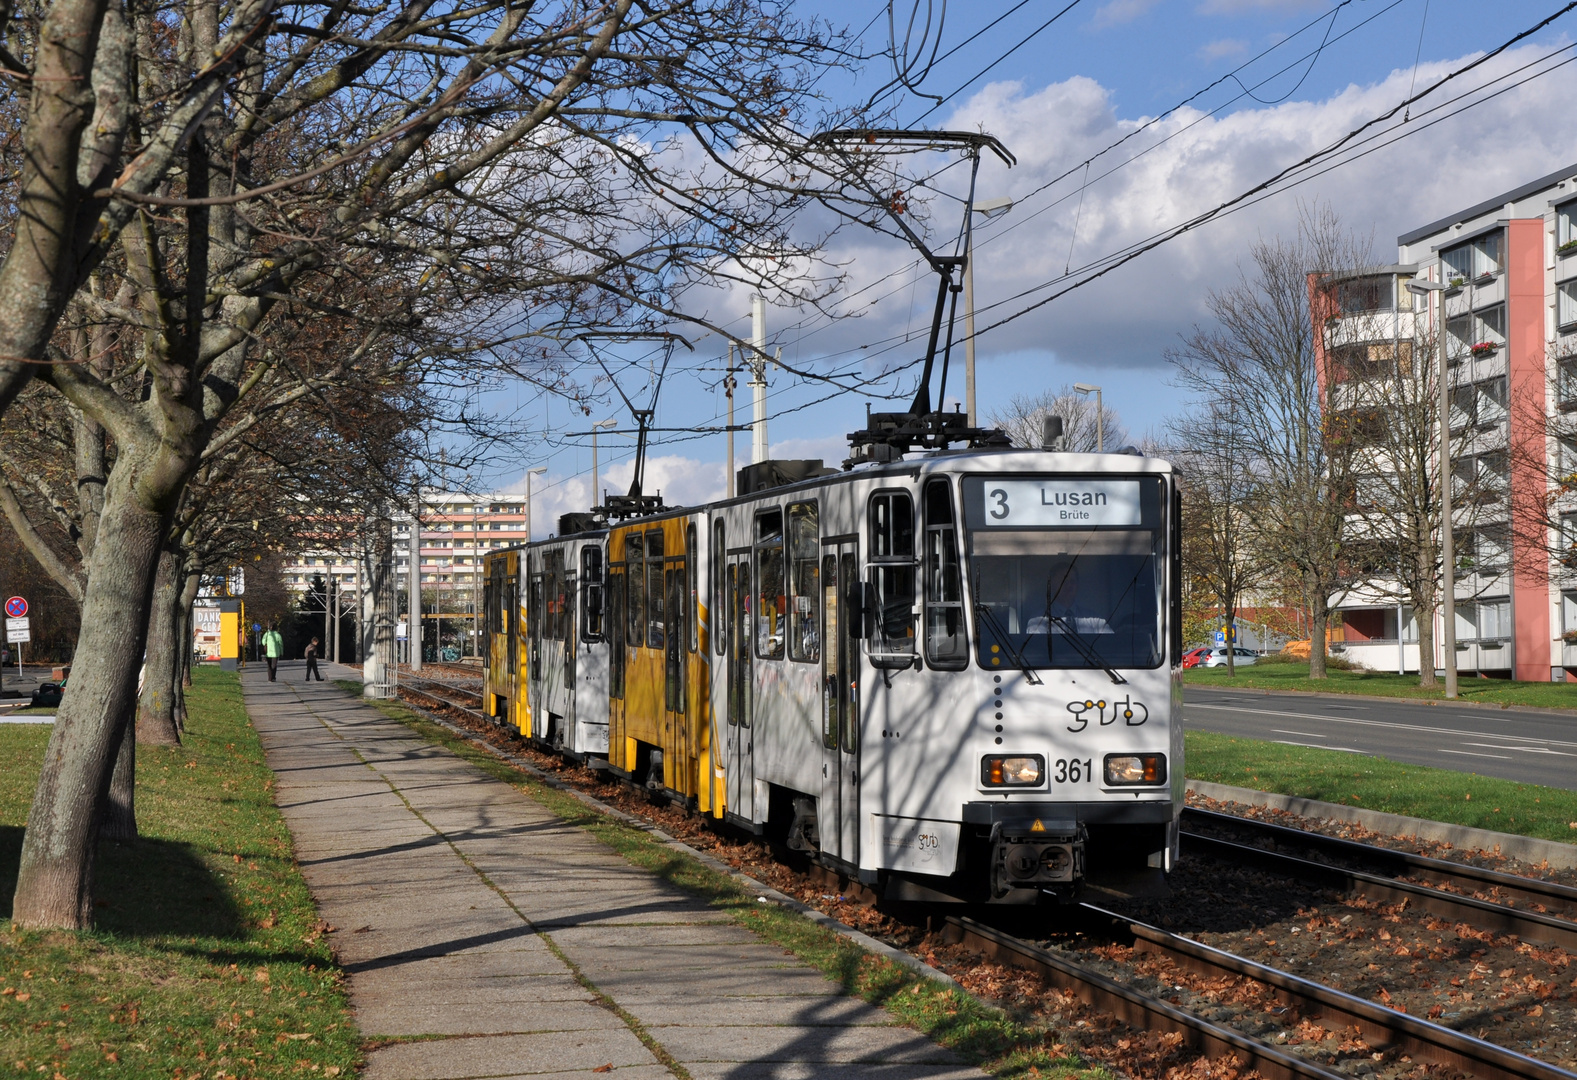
(865, 941)
(1525, 848)
(1546, 710)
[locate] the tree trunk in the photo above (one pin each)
(1319, 617)
(1426, 647)
(120, 807)
(184, 637)
(156, 707)
(55, 878)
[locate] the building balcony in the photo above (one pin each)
(1566, 265)
(1369, 326)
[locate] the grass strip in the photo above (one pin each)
(1459, 798)
(1001, 1044)
(1264, 675)
(207, 956)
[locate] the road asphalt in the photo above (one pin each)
(1514, 744)
(485, 937)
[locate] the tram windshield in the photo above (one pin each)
(1067, 572)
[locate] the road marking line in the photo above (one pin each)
(1417, 728)
(1305, 734)
(1521, 749)
(1317, 746)
(1467, 753)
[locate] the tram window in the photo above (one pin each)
(591, 593)
(553, 620)
(535, 631)
(616, 592)
(805, 575)
(946, 645)
(675, 578)
(830, 679)
(654, 589)
(893, 575)
(692, 585)
(634, 589)
(770, 596)
(719, 620)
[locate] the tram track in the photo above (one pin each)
(1367, 1039)
(1487, 899)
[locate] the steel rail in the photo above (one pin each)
(1514, 887)
(1382, 1028)
(469, 710)
(1530, 926)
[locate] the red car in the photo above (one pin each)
(1192, 657)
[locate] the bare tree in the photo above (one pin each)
(1259, 364)
(1221, 558)
(466, 186)
(1024, 419)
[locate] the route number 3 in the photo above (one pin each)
(1001, 497)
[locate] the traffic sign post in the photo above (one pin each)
(18, 629)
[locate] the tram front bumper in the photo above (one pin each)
(1035, 853)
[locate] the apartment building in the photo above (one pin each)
(1509, 265)
(457, 529)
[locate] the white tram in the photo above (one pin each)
(952, 676)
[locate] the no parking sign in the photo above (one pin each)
(16, 607)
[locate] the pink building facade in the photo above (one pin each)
(1510, 311)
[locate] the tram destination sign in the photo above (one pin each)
(1043, 502)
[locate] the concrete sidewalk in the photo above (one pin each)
(515, 945)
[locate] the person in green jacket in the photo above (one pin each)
(273, 649)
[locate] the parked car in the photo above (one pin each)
(48, 694)
(1192, 657)
(1218, 657)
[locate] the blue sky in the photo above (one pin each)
(1102, 69)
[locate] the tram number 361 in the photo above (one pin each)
(1073, 771)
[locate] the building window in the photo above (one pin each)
(1568, 541)
(1475, 259)
(1566, 303)
(1568, 612)
(1566, 229)
(1359, 296)
(1494, 619)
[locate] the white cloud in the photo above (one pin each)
(1222, 49)
(1117, 12)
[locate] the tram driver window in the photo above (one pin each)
(805, 577)
(945, 642)
(893, 574)
(770, 599)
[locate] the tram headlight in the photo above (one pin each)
(1135, 769)
(1015, 770)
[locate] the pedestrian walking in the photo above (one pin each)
(273, 649)
(312, 662)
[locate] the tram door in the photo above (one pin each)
(737, 745)
(838, 817)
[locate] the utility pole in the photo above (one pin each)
(758, 381)
(729, 385)
(1448, 567)
(476, 564)
(413, 630)
(990, 208)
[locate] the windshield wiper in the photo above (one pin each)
(1002, 636)
(1073, 636)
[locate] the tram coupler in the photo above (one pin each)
(1033, 853)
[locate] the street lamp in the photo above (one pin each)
(1100, 419)
(596, 497)
(990, 208)
(1447, 556)
(538, 471)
